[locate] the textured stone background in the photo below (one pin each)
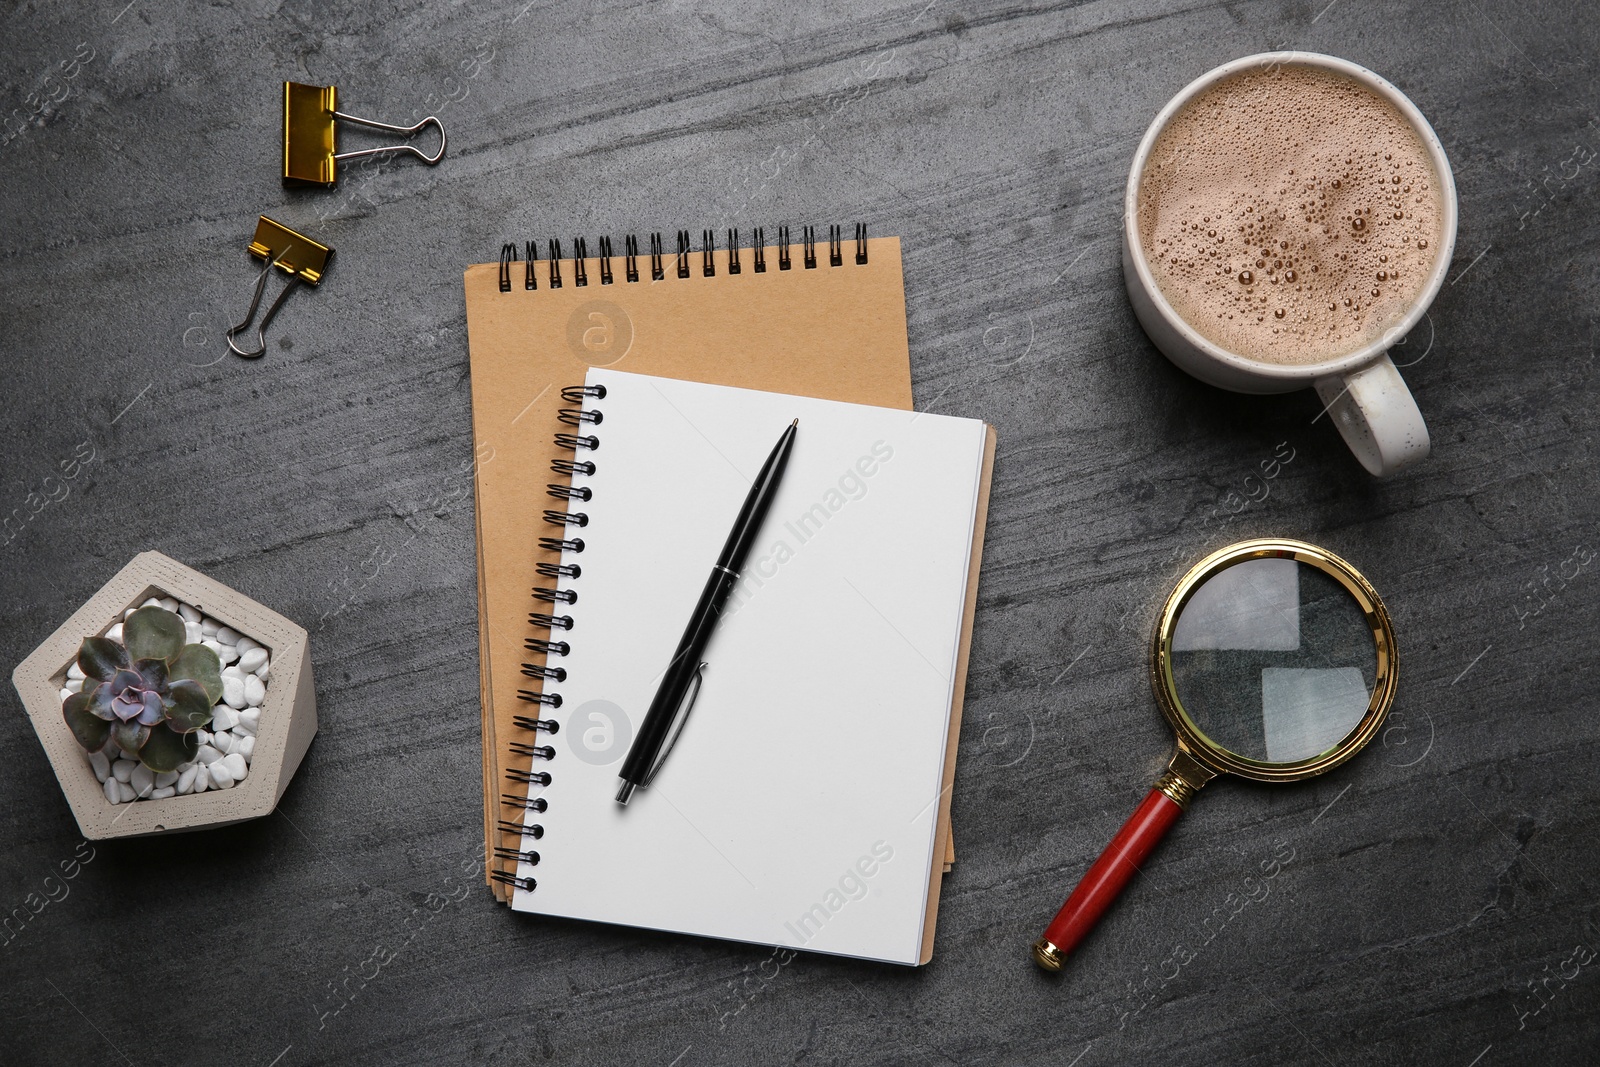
(1434, 900)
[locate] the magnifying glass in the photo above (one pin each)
(1274, 660)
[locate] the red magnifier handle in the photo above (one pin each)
(1105, 880)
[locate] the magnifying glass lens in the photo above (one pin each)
(1273, 660)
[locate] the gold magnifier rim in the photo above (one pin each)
(1193, 740)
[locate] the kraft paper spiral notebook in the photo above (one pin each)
(821, 326)
(800, 803)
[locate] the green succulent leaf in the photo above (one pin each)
(90, 730)
(100, 658)
(99, 702)
(129, 736)
(165, 749)
(202, 665)
(188, 706)
(153, 671)
(153, 633)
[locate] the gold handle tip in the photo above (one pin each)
(1047, 955)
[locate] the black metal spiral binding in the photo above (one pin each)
(518, 829)
(566, 518)
(516, 774)
(578, 416)
(527, 885)
(549, 648)
(574, 394)
(556, 596)
(513, 854)
(544, 752)
(549, 622)
(525, 803)
(558, 570)
(549, 726)
(508, 256)
(567, 492)
(708, 247)
(561, 544)
(538, 670)
(580, 269)
(577, 441)
(548, 700)
(572, 466)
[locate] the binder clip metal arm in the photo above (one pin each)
(298, 256)
(310, 135)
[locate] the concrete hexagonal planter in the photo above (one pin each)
(288, 712)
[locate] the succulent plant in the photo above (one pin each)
(146, 696)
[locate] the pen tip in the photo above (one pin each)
(795, 423)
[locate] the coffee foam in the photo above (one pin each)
(1289, 214)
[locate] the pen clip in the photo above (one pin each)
(679, 718)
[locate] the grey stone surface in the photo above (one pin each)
(1434, 901)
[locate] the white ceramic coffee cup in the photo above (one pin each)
(1362, 389)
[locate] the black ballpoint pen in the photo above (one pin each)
(650, 748)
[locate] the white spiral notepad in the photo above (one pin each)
(800, 804)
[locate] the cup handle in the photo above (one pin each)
(1376, 416)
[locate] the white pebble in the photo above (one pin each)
(213, 646)
(236, 766)
(250, 717)
(125, 793)
(223, 717)
(221, 776)
(122, 770)
(111, 791)
(255, 690)
(245, 644)
(207, 755)
(75, 671)
(202, 779)
(152, 602)
(65, 693)
(162, 794)
(249, 659)
(143, 779)
(75, 685)
(186, 779)
(246, 748)
(227, 653)
(203, 737)
(130, 611)
(261, 671)
(227, 635)
(245, 729)
(222, 741)
(209, 626)
(233, 691)
(165, 778)
(115, 634)
(170, 603)
(190, 613)
(101, 765)
(191, 633)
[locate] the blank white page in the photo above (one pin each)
(799, 805)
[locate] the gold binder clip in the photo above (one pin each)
(310, 140)
(297, 255)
